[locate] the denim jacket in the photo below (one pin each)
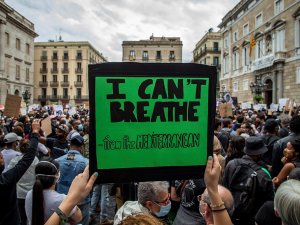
(70, 165)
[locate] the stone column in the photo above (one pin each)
(3, 79)
(279, 84)
(274, 88)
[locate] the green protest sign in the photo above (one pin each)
(149, 119)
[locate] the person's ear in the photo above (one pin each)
(149, 205)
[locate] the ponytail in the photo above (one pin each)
(37, 203)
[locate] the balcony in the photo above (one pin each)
(206, 51)
(64, 83)
(158, 58)
(54, 70)
(81, 97)
(131, 58)
(54, 97)
(172, 58)
(65, 97)
(43, 83)
(79, 57)
(43, 97)
(54, 84)
(54, 58)
(44, 70)
(65, 70)
(65, 57)
(78, 70)
(44, 58)
(145, 59)
(280, 56)
(78, 83)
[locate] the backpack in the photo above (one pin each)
(243, 185)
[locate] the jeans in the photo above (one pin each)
(85, 211)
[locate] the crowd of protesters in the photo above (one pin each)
(252, 178)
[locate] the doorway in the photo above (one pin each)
(269, 92)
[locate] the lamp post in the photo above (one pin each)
(257, 88)
(26, 97)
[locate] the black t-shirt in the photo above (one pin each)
(189, 195)
(57, 148)
(266, 215)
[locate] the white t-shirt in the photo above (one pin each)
(52, 200)
(8, 154)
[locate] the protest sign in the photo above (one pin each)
(246, 105)
(150, 121)
(12, 106)
(282, 103)
(58, 110)
(72, 111)
(225, 110)
(46, 125)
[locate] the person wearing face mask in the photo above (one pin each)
(153, 198)
(11, 140)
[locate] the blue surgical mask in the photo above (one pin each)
(164, 210)
(80, 127)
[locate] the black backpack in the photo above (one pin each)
(243, 185)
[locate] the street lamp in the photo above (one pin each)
(26, 97)
(257, 88)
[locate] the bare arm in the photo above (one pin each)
(211, 178)
(284, 172)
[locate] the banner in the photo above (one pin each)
(152, 123)
(12, 106)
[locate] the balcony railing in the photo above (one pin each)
(78, 83)
(158, 58)
(79, 57)
(64, 83)
(54, 97)
(44, 70)
(81, 97)
(145, 59)
(54, 70)
(43, 83)
(65, 97)
(172, 58)
(54, 58)
(43, 97)
(65, 57)
(65, 70)
(54, 84)
(44, 58)
(78, 70)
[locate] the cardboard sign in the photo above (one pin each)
(246, 105)
(151, 121)
(283, 102)
(58, 110)
(46, 126)
(225, 110)
(12, 106)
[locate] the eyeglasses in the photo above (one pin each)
(164, 202)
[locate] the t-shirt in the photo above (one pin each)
(8, 155)
(58, 148)
(52, 200)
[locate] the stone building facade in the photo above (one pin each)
(261, 45)
(208, 51)
(61, 71)
(156, 49)
(16, 53)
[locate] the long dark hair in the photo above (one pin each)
(235, 148)
(46, 171)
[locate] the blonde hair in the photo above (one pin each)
(140, 219)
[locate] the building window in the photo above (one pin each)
(245, 85)
(78, 78)
(259, 48)
(54, 92)
(54, 78)
(235, 36)
(131, 55)
(66, 55)
(278, 6)
(226, 64)
(44, 78)
(235, 86)
(216, 46)
(280, 40)
(298, 75)
(27, 48)
(7, 38)
(44, 92)
(245, 56)
(158, 55)
(79, 55)
(258, 20)
(297, 34)
(245, 30)
(18, 44)
(145, 55)
(226, 44)
(65, 92)
(216, 61)
(27, 75)
(235, 60)
(78, 92)
(172, 55)
(54, 56)
(65, 78)
(17, 72)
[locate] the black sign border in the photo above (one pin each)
(130, 69)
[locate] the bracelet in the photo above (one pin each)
(218, 210)
(217, 205)
(62, 216)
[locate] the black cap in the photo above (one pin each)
(77, 140)
(255, 146)
(270, 125)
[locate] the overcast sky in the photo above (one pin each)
(107, 23)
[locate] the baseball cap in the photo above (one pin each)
(77, 140)
(11, 137)
(63, 127)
